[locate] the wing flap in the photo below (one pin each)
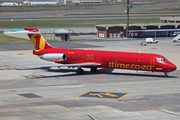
(66, 65)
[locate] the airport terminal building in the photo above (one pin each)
(137, 30)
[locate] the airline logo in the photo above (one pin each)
(38, 41)
(129, 66)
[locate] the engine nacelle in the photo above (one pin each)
(54, 57)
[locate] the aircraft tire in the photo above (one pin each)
(80, 71)
(166, 75)
(93, 69)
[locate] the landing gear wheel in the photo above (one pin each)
(165, 75)
(93, 69)
(80, 71)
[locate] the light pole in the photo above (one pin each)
(127, 28)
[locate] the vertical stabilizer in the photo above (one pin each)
(37, 39)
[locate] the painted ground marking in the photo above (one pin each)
(98, 94)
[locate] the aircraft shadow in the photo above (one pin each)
(100, 71)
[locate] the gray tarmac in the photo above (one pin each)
(42, 15)
(44, 94)
(13, 18)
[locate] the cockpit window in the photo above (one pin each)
(161, 59)
(165, 59)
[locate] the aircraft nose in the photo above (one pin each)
(171, 67)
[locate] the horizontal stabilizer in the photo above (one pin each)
(22, 32)
(35, 36)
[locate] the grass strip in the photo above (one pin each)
(72, 23)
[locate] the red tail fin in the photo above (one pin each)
(37, 39)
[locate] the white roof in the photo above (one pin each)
(62, 31)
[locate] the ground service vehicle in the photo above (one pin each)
(151, 40)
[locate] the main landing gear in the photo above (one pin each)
(93, 69)
(81, 71)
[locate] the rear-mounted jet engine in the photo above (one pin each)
(54, 57)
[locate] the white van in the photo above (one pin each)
(151, 40)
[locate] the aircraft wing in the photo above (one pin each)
(66, 65)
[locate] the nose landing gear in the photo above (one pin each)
(165, 74)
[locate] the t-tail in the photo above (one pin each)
(37, 39)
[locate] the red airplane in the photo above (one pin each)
(94, 59)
